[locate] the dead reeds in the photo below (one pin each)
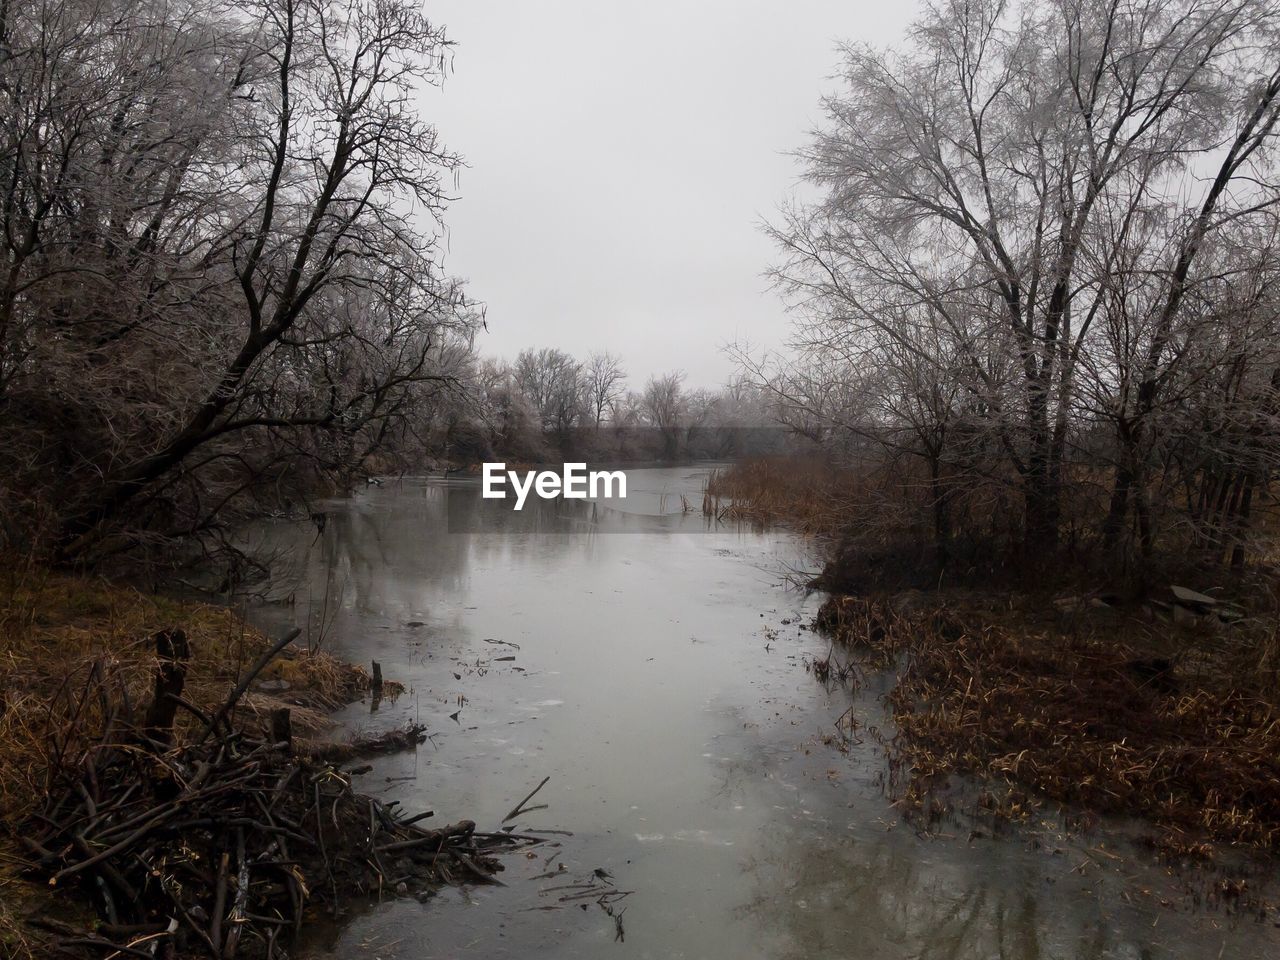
(808, 494)
(1082, 718)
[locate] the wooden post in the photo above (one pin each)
(171, 676)
(282, 728)
(377, 679)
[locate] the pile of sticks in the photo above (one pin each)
(221, 845)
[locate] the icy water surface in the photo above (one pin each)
(658, 679)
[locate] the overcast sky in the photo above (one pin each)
(620, 156)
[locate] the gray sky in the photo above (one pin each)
(619, 158)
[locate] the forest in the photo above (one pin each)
(1034, 279)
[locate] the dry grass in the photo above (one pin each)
(70, 647)
(1082, 717)
(808, 494)
(61, 635)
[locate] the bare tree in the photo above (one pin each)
(552, 380)
(665, 407)
(604, 380)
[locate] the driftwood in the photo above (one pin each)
(219, 845)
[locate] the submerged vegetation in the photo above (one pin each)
(809, 494)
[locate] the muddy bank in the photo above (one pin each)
(1107, 709)
(170, 784)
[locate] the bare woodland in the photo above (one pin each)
(1032, 276)
(1034, 273)
(220, 257)
(547, 405)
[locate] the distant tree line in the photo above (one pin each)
(1035, 282)
(548, 405)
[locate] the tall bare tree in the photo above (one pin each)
(664, 406)
(552, 381)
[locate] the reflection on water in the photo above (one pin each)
(658, 680)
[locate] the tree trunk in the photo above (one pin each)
(1042, 509)
(941, 513)
(1119, 508)
(1241, 526)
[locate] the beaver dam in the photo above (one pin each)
(165, 822)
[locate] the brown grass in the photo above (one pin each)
(60, 635)
(806, 493)
(1077, 716)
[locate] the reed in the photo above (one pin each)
(808, 494)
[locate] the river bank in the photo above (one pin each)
(662, 676)
(157, 759)
(1044, 682)
(1105, 709)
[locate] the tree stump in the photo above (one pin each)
(282, 728)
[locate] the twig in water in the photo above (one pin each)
(519, 807)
